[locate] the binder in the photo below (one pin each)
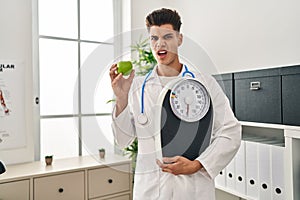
(264, 159)
(252, 185)
(220, 180)
(277, 156)
(240, 169)
(230, 175)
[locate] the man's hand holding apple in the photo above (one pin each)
(121, 85)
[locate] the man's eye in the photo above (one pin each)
(168, 37)
(153, 38)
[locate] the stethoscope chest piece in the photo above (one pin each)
(142, 119)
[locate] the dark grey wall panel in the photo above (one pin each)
(262, 105)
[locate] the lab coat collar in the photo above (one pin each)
(154, 74)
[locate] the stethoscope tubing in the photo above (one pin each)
(143, 90)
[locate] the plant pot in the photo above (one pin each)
(102, 154)
(48, 160)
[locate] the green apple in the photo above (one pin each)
(124, 67)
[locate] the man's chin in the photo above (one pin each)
(162, 62)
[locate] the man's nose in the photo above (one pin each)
(160, 43)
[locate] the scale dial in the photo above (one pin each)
(189, 100)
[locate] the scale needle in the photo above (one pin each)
(187, 109)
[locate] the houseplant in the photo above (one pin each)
(145, 60)
(132, 151)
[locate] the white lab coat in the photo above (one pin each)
(150, 182)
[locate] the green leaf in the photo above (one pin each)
(111, 100)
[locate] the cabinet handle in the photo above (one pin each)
(110, 180)
(61, 190)
(255, 85)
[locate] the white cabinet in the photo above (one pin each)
(122, 197)
(69, 186)
(292, 163)
(15, 190)
(79, 178)
(272, 169)
(108, 180)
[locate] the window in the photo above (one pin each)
(74, 117)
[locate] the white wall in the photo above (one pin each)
(237, 35)
(16, 44)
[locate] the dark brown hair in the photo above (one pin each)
(164, 16)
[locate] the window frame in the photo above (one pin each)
(117, 20)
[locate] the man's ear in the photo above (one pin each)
(180, 39)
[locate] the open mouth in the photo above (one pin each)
(162, 53)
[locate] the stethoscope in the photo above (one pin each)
(142, 118)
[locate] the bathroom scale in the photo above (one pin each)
(186, 117)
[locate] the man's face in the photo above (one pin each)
(164, 42)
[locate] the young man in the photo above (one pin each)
(175, 177)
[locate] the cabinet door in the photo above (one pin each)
(258, 105)
(227, 88)
(123, 197)
(15, 190)
(226, 83)
(291, 99)
(108, 180)
(69, 186)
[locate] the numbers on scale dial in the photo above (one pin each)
(189, 100)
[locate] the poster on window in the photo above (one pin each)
(12, 105)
